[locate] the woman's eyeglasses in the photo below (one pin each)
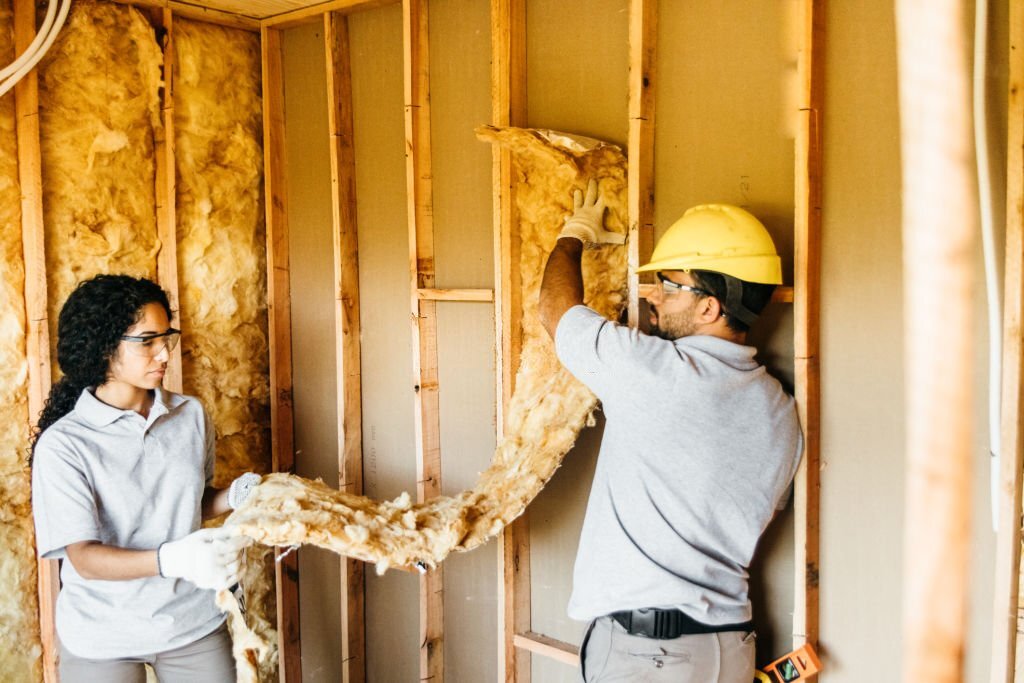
(152, 345)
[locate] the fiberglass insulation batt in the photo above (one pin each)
(98, 108)
(221, 238)
(545, 415)
(19, 631)
(221, 247)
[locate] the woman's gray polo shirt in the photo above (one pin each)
(698, 451)
(110, 475)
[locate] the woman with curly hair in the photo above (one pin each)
(120, 485)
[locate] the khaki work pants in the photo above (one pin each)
(610, 654)
(207, 660)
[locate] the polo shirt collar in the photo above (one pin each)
(99, 414)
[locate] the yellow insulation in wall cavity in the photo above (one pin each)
(221, 238)
(545, 415)
(19, 630)
(221, 247)
(98, 108)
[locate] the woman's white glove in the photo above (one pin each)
(241, 488)
(208, 558)
(587, 221)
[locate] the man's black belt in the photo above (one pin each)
(664, 624)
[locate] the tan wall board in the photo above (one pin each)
(577, 61)
(726, 112)
(556, 517)
(465, 350)
(460, 100)
(862, 354)
(389, 463)
(313, 330)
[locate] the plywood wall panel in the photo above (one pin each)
(389, 462)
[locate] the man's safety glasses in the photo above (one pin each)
(152, 345)
(670, 288)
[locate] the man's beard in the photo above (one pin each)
(674, 325)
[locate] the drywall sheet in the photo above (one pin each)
(314, 365)
(465, 345)
(460, 100)
(221, 249)
(98, 108)
(863, 433)
(577, 67)
(19, 630)
(577, 80)
(726, 114)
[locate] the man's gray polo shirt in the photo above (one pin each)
(699, 449)
(110, 475)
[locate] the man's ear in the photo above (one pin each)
(709, 310)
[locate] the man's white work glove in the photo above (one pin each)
(587, 222)
(208, 558)
(241, 488)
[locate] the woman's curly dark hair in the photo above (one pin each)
(89, 331)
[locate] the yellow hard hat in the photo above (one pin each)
(720, 238)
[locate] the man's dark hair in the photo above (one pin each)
(754, 298)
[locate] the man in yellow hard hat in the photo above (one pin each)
(698, 452)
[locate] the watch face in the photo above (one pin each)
(787, 671)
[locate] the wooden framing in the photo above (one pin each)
(1006, 637)
(939, 229)
(807, 286)
(198, 13)
(279, 326)
(26, 112)
(415, 33)
(346, 310)
(166, 175)
(643, 34)
(508, 108)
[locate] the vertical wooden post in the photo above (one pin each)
(279, 325)
(939, 228)
(508, 108)
(166, 194)
(415, 31)
(643, 33)
(807, 286)
(26, 108)
(346, 315)
(1005, 634)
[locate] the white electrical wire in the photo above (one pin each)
(30, 58)
(44, 30)
(995, 329)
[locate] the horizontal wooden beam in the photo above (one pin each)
(199, 13)
(305, 15)
(429, 294)
(782, 295)
(548, 647)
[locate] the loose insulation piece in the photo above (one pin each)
(98, 108)
(545, 415)
(20, 648)
(222, 239)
